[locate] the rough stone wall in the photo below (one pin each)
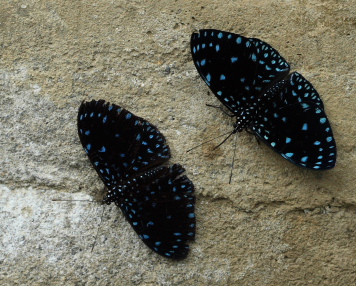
(275, 224)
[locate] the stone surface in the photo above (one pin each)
(275, 224)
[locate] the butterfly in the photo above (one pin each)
(128, 154)
(252, 80)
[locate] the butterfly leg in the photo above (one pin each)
(221, 109)
(250, 132)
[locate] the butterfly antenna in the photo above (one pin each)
(233, 159)
(60, 200)
(221, 135)
(97, 232)
(233, 131)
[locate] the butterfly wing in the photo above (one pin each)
(118, 143)
(161, 211)
(237, 69)
(291, 120)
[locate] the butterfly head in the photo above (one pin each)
(114, 194)
(243, 120)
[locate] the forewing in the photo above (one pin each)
(118, 143)
(237, 69)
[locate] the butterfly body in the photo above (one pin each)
(252, 80)
(128, 152)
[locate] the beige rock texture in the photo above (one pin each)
(275, 224)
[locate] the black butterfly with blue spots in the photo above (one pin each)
(252, 80)
(128, 152)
